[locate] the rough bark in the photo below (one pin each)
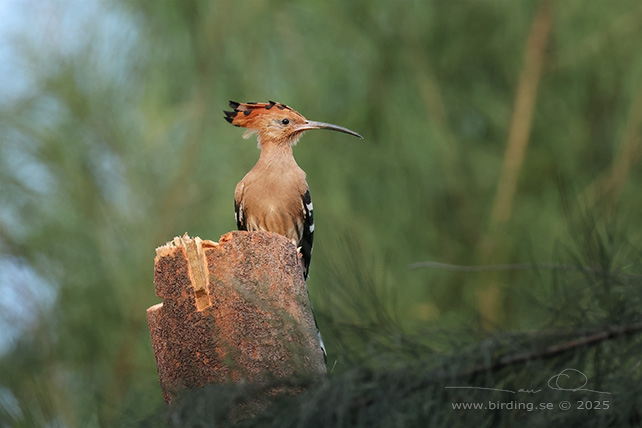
(232, 311)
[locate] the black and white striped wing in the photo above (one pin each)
(239, 214)
(307, 235)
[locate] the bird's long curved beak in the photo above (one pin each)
(310, 124)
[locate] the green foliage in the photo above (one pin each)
(116, 144)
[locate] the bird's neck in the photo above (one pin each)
(274, 155)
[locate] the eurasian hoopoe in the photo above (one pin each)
(274, 195)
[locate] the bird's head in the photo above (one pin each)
(275, 122)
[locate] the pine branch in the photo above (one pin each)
(522, 357)
(555, 350)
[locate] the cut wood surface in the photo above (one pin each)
(232, 311)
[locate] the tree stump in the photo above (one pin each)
(233, 311)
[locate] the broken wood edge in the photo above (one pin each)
(197, 265)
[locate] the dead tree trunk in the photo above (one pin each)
(232, 311)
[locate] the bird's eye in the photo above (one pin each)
(285, 121)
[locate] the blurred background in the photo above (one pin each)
(495, 133)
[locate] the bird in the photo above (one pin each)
(274, 195)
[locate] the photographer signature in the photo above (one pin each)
(553, 383)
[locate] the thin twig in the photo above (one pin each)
(485, 268)
(517, 266)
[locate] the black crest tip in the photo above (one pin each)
(229, 115)
(280, 106)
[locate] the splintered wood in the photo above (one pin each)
(232, 311)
